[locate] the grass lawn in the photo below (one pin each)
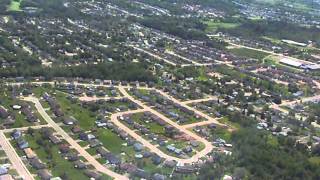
(147, 165)
(13, 172)
(271, 60)
(39, 91)
(110, 140)
(15, 5)
(92, 151)
(157, 129)
(213, 26)
(83, 143)
(223, 133)
(273, 141)
(2, 153)
(315, 161)
(116, 104)
(248, 53)
(21, 121)
(85, 117)
(154, 127)
(105, 177)
(226, 120)
(53, 159)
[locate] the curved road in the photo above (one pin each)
(99, 167)
(208, 146)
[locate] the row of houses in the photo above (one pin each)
(65, 150)
(55, 107)
(166, 106)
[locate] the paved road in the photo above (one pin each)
(76, 84)
(289, 103)
(99, 167)
(94, 98)
(208, 146)
(202, 123)
(190, 108)
(269, 52)
(193, 63)
(24, 128)
(199, 65)
(146, 143)
(14, 158)
(153, 55)
(200, 100)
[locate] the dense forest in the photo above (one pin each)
(259, 155)
(189, 29)
(278, 30)
(184, 28)
(116, 71)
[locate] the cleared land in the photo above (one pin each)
(249, 53)
(213, 26)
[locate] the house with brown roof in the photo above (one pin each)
(29, 153)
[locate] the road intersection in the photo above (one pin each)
(186, 129)
(98, 166)
(198, 156)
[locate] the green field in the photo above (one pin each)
(85, 117)
(15, 5)
(300, 5)
(154, 127)
(213, 26)
(52, 158)
(160, 130)
(7, 101)
(86, 120)
(248, 53)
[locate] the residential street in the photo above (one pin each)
(99, 167)
(289, 103)
(213, 120)
(208, 146)
(153, 55)
(200, 100)
(202, 123)
(14, 158)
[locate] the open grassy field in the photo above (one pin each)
(248, 53)
(85, 117)
(300, 5)
(110, 140)
(154, 127)
(213, 26)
